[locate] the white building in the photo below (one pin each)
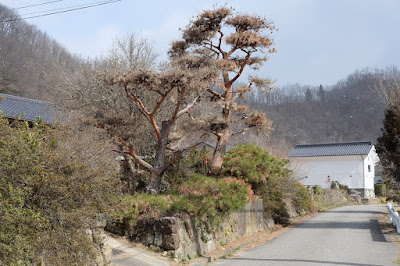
(351, 164)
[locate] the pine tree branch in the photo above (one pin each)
(177, 107)
(143, 110)
(242, 66)
(188, 107)
(131, 152)
(179, 154)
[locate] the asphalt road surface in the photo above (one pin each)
(126, 255)
(348, 235)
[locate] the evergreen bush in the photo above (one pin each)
(302, 200)
(253, 164)
(206, 198)
(380, 190)
(269, 178)
(50, 193)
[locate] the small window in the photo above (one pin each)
(369, 168)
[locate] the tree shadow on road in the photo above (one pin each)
(372, 212)
(265, 261)
(372, 225)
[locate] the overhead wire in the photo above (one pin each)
(62, 10)
(65, 8)
(40, 4)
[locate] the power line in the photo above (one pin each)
(64, 8)
(41, 4)
(68, 9)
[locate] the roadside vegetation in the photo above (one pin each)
(248, 172)
(270, 178)
(52, 192)
(388, 147)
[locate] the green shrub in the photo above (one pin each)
(199, 160)
(345, 188)
(380, 190)
(195, 161)
(249, 162)
(270, 178)
(50, 192)
(317, 190)
(273, 203)
(204, 197)
(208, 197)
(144, 204)
(302, 200)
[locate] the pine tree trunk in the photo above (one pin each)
(159, 161)
(217, 160)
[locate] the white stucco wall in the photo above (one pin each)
(371, 160)
(322, 170)
(355, 171)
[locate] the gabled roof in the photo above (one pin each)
(332, 149)
(28, 109)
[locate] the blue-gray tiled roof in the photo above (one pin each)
(332, 149)
(28, 109)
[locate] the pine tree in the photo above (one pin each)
(388, 145)
(321, 94)
(235, 41)
(308, 96)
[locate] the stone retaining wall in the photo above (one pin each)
(184, 237)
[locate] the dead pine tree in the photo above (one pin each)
(234, 41)
(177, 89)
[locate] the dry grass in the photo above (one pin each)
(389, 230)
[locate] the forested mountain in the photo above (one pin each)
(27, 57)
(350, 110)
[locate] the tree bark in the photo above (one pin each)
(225, 134)
(159, 161)
(218, 157)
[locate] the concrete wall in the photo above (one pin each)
(184, 237)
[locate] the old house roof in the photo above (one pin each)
(211, 145)
(28, 109)
(332, 149)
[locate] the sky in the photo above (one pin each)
(318, 41)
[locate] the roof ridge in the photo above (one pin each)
(332, 149)
(335, 143)
(25, 99)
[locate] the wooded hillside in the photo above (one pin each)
(350, 110)
(27, 57)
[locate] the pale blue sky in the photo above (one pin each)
(318, 42)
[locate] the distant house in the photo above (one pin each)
(209, 146)
(350, 163)
(15, 107)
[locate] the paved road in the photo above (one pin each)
(343, 236)
(125, 255)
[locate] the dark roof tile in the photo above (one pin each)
(332, 149)
(28, 109)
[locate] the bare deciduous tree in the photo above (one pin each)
(131, 52)
(100, 104)
(388, 88)
(83, 91)
(177, 87)
(234, 41)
